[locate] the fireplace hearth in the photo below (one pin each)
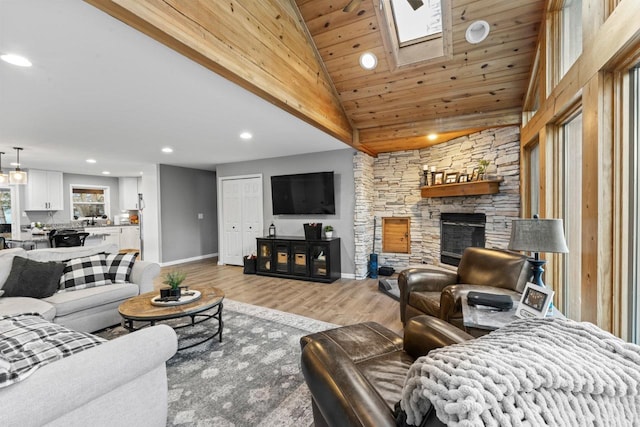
(458, 231)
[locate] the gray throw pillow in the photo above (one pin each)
(34, 279)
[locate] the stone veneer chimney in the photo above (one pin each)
(389, 186)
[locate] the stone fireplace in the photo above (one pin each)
(389, 186)
(459, 231)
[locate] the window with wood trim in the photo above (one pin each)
(634, 207)
(396, 235)
(533, 179)
(570, 191)
(571, 34)
(433, 41)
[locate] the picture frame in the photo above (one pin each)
(463, 177)
(451, 178)
(438, 178)
(535, 302)
(475, 174)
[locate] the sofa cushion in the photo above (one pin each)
(119, 266)
(65, 254)
(6, 259)
(29, 342)
(19, 305)
(82, 273)
(30, 278)
(387, 373)
(72, 302)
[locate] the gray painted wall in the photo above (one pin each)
(64, 216)
(338, 161)
(185, 193)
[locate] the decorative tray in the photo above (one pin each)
(186, 298)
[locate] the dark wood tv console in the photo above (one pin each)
(297, 258)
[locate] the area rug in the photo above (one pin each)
(251, 378)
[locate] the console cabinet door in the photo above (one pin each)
(265, 256)
(319, 260)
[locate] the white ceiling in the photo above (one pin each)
(100, 89)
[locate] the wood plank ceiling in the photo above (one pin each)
(393, 108)
(265, 47)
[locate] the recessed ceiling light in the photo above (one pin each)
(106, 173)
(246, 135)
(432, 137)
(368, 61)
(167, 150)
(18, 60)
(91, 160)
(477, 31)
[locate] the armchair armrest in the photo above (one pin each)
(420, 280)
(340, 392)
(143, 273)
(424, 333)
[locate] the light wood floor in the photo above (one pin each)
(342, 302)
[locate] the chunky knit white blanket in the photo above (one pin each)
(529, 373)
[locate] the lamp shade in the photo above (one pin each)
(538, 235)
(17, 177)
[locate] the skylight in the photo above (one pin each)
(415, 25)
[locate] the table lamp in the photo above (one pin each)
(538, 235)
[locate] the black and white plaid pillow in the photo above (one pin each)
(119, 266)
(86, 272)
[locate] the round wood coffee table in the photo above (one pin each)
(140, 309)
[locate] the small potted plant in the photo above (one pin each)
(173, 279)
(328, 231)
(482, 168)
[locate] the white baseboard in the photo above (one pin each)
(185, 260)
(347, 275)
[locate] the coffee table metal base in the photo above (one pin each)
(128, 323)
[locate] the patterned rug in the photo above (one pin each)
(251, 378)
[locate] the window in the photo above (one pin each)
(89, 201)
(571, 34)
(634, 207)
(417, 35)
(534, 180)
(5, 207)
(413, 26)
(571, 190)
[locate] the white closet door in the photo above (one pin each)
(252, 223)
(232, 225)
(241, 217)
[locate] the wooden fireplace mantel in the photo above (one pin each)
(475, 188)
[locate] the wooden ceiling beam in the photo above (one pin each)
(260, 45)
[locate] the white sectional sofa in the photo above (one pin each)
(85, 310)
(122, 382)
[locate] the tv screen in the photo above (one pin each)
(303, 194)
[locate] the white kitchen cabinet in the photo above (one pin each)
(128, 193)
(124, 237)
(44, 191)
(130, 237)
(105, 234)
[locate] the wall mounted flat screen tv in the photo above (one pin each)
(303, 194)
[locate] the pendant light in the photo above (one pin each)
(17, 176)
(4, 178)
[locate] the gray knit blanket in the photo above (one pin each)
(529, 373)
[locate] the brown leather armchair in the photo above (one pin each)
(439, 293)
(356, 373)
